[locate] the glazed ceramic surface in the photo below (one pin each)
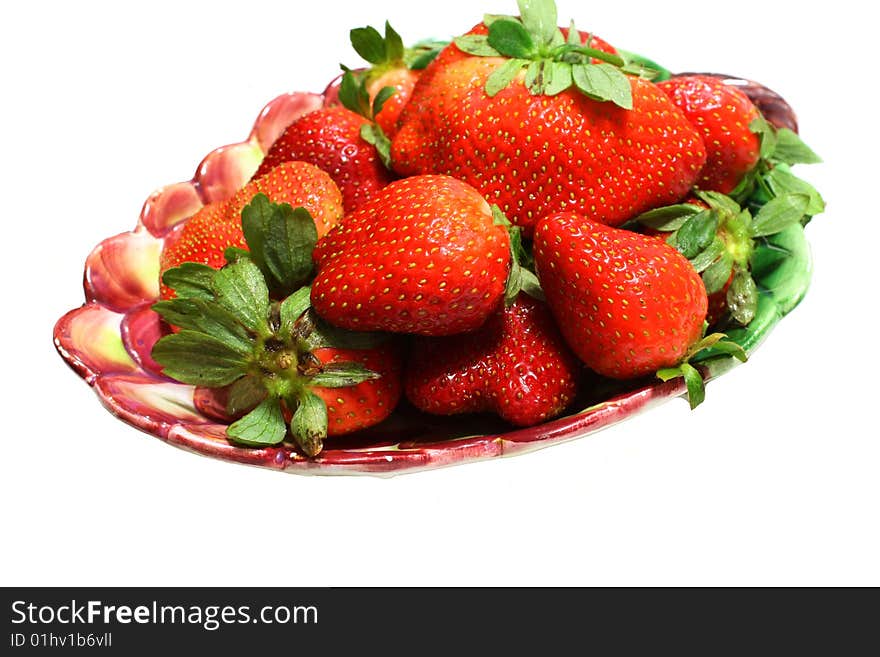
(107, 341)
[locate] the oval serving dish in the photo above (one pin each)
(107, 341)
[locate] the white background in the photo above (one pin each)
(774, 480)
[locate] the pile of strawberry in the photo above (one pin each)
(475, 226)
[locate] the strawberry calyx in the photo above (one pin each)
(696, 387)
(387, 52)
(780, 149)
(719, 237)
(522, 277)
(249, 327)
(383, 53)
(354, 96)
(552, 61)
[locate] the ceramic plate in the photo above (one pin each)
(107, 341)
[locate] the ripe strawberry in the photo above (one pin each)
(330, 138)
(349, 409)
(422, 256)
(369, 402)
(205, 236)
(392, 67)
(627, 304)
(534, 134)
(402, 80)
(274, 363)
(516, 365)
(723, 115)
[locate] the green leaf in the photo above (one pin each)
(730, 348)
(514, 283)
(766, 134)
(631, 68)
(603, 82)
(241, 289)
(540, 19)
(498, 217)
(324, 334)
(476, 44)
(535, 77)
(696, 389)
(716, 275)
(557, 78)
(696, 233)
(668, 218)
(309, 423)
(742, 297)
(394, 48)
(233, 253)
(488, 19)
(254, 219)
(369, 44)
(262, 427)
(190, 280)
(511, 38)
(502, 76)
(207, 317)
(418, 57)
(790, 149)
(292, 309)
(631, 59)
(781, 182)
(353, 94)
(245, 394)
(199, 359)
(574, 37)
(780, 213)
(342, 375)
(707, 256)
(290, 239)
(374, 135)
(719, 201)
(381, 98)
(530, 284)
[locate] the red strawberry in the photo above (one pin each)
(360, 406)
(330, 138)
(247, 329)
(541, 144)
(627, 304)
(206, 235)
(516, 365)
(422, 256)
(402, 80)
(349, 408)
(391, 65)
(722, 114)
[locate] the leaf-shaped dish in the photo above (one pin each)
(107, 341)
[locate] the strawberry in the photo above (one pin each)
(330, 138)
(393, 69)
(718, 237)
(207, 234)
(274, 363)
(516, 365)
(723, 115)
(627, 304)
(365, 404)
(536, 126)
(402, 80)
(422, 256)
